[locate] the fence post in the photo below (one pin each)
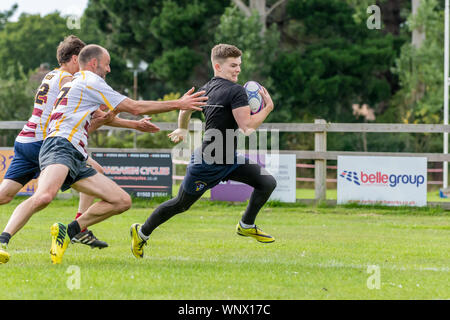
(320, 171)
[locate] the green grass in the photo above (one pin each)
(320, 253)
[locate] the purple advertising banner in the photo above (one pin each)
(235, 191)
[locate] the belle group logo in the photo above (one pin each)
(382, 179)
(350, 176)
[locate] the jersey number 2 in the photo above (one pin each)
(41, 95)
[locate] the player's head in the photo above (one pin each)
(68, 51)
(95, 58)
(226, 61)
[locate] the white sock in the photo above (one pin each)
(246, 226)
(142, 236)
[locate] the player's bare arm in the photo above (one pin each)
(181, 132)
(184, 117)
(100, 118)
(143, 125)
(189, 101)
(247, 122)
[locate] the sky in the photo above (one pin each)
(66, 7)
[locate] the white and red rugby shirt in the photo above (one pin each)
(76, 103)
(35, 129)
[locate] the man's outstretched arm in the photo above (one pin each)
(189, 101)
(101, 118)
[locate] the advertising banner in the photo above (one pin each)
(144, 175)
(6, 157)
(391, 181)
(281, 166)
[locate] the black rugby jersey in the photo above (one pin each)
(223, 96)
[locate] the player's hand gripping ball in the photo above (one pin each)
(255, 101)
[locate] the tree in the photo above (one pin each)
(258, 6)
(5, 15)
(16, 101)
(30, 41)
(420, 68)
(173, 36)
(421, 74)
(336, 62)
(258, 50)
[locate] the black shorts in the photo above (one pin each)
(203, 176)
(58, 150)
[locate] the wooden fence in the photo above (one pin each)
(320, 154)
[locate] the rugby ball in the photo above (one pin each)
(255, 101)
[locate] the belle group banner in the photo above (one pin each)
(6, 156)
(391, 181)
(144, 175)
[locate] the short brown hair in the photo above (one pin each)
(90, 52)
(69, 47)
(222, 51)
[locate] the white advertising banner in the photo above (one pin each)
(391, 181)
(283, 169)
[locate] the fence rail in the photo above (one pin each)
(298, 127)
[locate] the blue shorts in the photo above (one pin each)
(203, 176)
(25, 164)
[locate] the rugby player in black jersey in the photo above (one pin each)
(217, 160)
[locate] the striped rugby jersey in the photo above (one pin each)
(35, 129)
(75, 104)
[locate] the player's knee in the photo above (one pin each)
(123, 203)
(5, 198)
(42, 200)
(270, 184)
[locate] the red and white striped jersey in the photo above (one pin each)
(36, 127)
(75, 104)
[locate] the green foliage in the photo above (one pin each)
(173, 27)
(5, 15)
(258, 51)
(360, 8)
(16, 100)
(16, 96)
(420, 70)
(340, 62)
(173, 36)
(31, 41)
(176, 65)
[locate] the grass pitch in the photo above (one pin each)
(347, 252)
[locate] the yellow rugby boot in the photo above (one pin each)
(137, 243)
(60, 241)
(4, 255)
(254, 232)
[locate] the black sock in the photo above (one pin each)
(4, 237)
(73, 229)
